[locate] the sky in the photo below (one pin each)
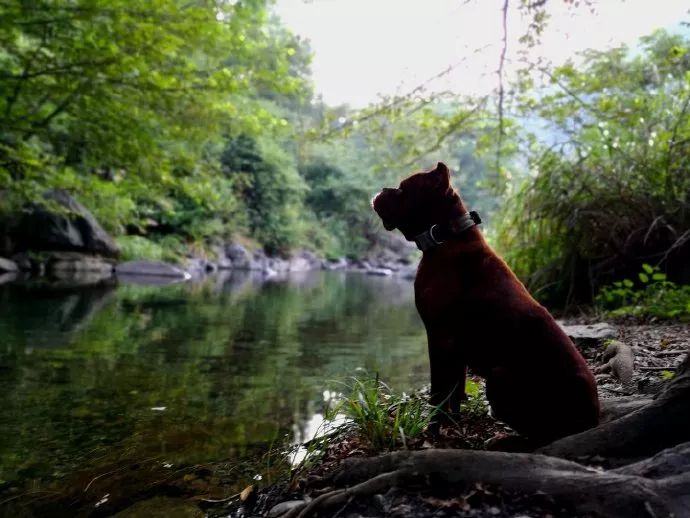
(363, 48)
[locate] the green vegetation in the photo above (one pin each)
(187, 124)
(383, 418)
(386, 419)
(608, 187)
(651, 295)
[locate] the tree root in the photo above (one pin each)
(661, 424)
(612, 494)
(620, 362)
(648, 441)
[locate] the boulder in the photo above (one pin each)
(381, 272)
(6, 278)
(303, 261)
(335, 264)
(239, 256)
(151, 268)
(7, 266)
(26, 263)
(590, 335)
(75, 229)
(66, 263)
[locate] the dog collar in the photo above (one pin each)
(438, 234)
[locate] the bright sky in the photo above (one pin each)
(366, 47)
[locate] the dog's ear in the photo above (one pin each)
(441, 177)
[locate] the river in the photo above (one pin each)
(191, 373)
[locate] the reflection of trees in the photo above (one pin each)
(45, 314)
(235, 366)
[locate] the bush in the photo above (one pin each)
(609, 191)
(138, 247)
(652, 296)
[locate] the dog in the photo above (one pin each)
(478, 314)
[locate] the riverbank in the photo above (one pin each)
(658, 350)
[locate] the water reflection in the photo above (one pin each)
(191, 372)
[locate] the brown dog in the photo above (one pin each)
(479, 315)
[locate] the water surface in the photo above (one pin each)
(189, 373)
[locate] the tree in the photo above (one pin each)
(127, 103)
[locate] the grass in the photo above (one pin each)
(385, 419)
(388, 420)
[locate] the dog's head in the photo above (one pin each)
(421, 200)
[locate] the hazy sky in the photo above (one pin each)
(366, 47)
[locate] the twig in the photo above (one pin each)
(652, 369)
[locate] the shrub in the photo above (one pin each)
(651, 296)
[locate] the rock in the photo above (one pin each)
(151, 268)
(76, 230)
(7, 266)
(8, 277)
(223, 262)
(26, 264)
(304, 261)
(335, 264)
(284, 507)
(589, 335)
(65, 263)
(381, 272)
(239, 255)
(408, 272)
(162, 507)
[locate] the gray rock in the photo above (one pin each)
(8, 277)
(75, 263)
(75, 229)
(588, 335)
(408, 272)
(284, 507)
(337, 264)
(381, 272)
(151, 268)
(239, 255)
(7, 266)
(304, 261)
(26, 264)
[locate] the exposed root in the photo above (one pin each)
(613, 494)
(620, 362)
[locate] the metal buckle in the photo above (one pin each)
(431, 235)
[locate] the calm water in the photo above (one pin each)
(189, 373)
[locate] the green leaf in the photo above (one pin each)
(647, 268)
(644, 277)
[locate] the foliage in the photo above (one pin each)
(126, 104)
(385, 419)
(169, 248)
(651, 296)
(476, 400)
(608, 184)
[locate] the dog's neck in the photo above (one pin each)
(452, 229)
(448, 220)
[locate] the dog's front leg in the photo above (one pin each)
(448, 372)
